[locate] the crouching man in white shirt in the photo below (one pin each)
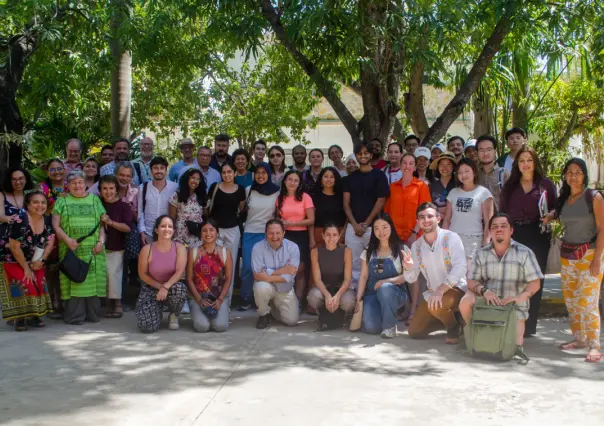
(439, 255)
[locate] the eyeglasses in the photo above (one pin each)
(486, 150)
(19, 179)
(573, 174)
(56, 169)
(276, 155)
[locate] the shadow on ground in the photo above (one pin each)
(64, 368)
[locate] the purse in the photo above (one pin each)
(571, 251)
(193, 227)
(355, 323)
(132, 245)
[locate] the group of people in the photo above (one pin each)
(429, 229)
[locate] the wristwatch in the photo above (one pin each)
(483, 290)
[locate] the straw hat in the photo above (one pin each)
(447, 155)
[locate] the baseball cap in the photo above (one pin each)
(471, 143)
(186, 141)
(439, 146)
(447, 155)
(422, 151)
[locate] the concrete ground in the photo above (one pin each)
(109, 374)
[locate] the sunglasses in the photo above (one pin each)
(56, 169)
(379, 266)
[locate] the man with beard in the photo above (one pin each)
(299, 157)
(142, 165)
(455, 145)
(106, 154)
(365, 191)
(503, 272)
(121, 150)
(440, 257)
(73, 151)
(186, 148)
(154, 199)
(221, 152)
(375, 147)
(490, 175)
(516, 139)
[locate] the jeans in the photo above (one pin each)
(247, 274)
(379, 308)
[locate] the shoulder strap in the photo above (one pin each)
(137, 167)
(500, 175)
(224, 253)
(590, 195)
(195, 253)
(212, 200)
(144, 196)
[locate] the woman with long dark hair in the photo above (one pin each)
(380, 285)
(297, 211)
(519, 198)
(261, 199)
(186, 205)
(91, 170)
(329, 204)
(469, 209)
(12, 202)
(209, 271)
(444, 180)
(276, 158)
(581, 211)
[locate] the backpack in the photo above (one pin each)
(491, 332)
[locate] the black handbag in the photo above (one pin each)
(72, 266)
(194, 228)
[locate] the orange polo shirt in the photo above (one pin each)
(403, 203)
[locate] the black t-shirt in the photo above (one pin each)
(365, 189)
(119, 212)
(328, 208)
(226, 206)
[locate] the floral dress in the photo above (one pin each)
(52, 193)
(20, 299)
(191, 210)
(9, 210)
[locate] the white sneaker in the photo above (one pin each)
(389, 333)
(173, 318)
(185, 308)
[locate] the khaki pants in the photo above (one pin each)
(426, 320)
(284, 305)
(317, 300)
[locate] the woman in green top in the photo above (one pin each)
(74, 216)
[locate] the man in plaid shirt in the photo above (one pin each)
(503, 272)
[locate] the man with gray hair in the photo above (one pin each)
(73, 155)
(142, 165)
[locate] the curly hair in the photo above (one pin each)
(283, 192)
(7, 185)
(158, 222)
(184, 192)
(337, 186)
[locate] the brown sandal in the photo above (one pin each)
(572, 345)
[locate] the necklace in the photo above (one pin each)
(17, 203)
(573, 198)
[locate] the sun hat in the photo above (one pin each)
(447, 155)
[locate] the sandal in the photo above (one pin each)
(36, 322)
(20, 325)
(572, 345)
(109, 314)
(594, 358)
(118, 313)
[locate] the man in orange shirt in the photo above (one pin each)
(406, 195)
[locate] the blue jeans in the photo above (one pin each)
(379, 308)
(247, 274)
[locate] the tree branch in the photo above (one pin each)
(325, 87)
(472, 80)
(570, 128)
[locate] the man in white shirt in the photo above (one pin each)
(439, 255)
(210, 174)
(153, 199)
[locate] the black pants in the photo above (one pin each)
(530, 235)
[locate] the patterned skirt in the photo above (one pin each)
(20, 299)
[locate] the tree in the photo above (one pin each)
(121, 75)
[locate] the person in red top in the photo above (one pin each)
(406, 195)
(377, 162)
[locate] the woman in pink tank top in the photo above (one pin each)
(161, 266)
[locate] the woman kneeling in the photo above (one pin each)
(380, 284)
(160, 268)
(332, 272)
(209, 272)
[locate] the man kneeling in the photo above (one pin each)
(439, 255)
(503, 272)
(275, 262)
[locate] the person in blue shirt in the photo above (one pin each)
(186, 148)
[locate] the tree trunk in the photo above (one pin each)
(455, 107)
(482, 114)
(414, 101)
(121, 76)
(519, 113)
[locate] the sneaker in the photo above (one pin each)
(173, 318)
(244, 307)
(185, 308)
(263, 322)
(389, 333)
